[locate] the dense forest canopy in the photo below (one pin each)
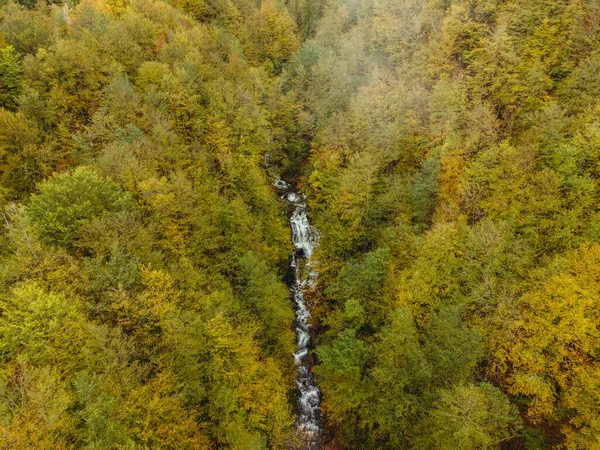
(450, 154)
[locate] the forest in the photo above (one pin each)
(449, 151)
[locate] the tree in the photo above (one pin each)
(341, 376)
(26, 30)
(470, 417)
(550, 349)
(452, 349)
(10, 78)
(401, 374)
(364, 286)
(275, 35)
(46, 327)
(267, 301)
(20, 159)
(34, 407)
(67, 200)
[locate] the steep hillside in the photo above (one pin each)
(453, 174)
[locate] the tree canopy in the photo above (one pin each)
(449, 152)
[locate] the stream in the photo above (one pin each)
(305, 238)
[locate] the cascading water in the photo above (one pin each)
(305, 239)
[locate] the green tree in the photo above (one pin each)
(469, 417)
(341, 376)
(67, 200)
(10, 78)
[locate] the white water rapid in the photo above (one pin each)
(305, 239)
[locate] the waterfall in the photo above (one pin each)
(305, 239)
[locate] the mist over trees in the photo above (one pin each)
(452, 174)
(449, 151)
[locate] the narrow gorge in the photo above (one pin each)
(305, 239)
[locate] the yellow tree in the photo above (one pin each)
(550, 353)
(275, 35)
